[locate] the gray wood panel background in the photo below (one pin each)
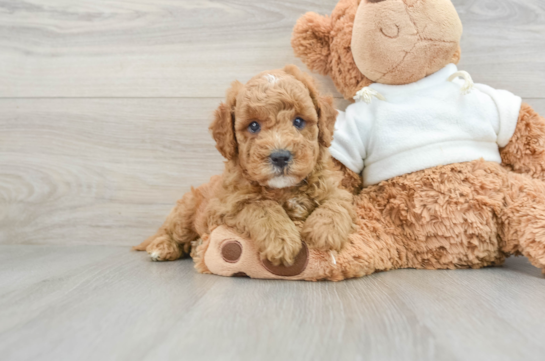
(105, 105)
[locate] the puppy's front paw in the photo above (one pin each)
(325, 232)
(163, 248)
(281, 248)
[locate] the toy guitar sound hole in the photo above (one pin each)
(301, 261)
(231, 251)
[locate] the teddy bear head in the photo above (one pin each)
(392, 42)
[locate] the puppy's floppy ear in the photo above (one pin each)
(223, 126)
(327, 114)
(327, 117)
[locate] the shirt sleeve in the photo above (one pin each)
(347, 146)
(508, 106)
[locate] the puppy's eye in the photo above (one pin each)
(254, 127)
(299, 123)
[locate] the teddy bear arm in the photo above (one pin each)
(525, 152)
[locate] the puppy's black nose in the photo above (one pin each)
(280, 158)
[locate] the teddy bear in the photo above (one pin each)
(446, 173)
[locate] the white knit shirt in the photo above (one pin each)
(422, 125)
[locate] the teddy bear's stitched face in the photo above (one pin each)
(402, 41)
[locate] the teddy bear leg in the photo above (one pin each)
(376, 245)
(523, 220)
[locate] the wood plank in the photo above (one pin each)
(100, 303)
(189, 48)
(503, 44)
(144, 48)
(101, 171)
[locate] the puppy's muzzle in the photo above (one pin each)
(280, 158)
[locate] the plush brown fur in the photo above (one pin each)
(467, 215)
(525, 153)
(457, 216)
(309, 205)
(352, 182)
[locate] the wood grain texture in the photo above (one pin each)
(196, 48)
(106, 303)
(101, 171)
(144, 48)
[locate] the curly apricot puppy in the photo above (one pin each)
(279, 186)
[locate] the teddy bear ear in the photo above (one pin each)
(311, 40)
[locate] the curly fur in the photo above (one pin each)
(467, 215)
(352, 181)
(525, 153)
(314, 209)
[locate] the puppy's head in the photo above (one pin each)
(275, 127)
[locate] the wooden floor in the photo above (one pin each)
(104, 303)
(104, 109)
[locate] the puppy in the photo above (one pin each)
(279, 186)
